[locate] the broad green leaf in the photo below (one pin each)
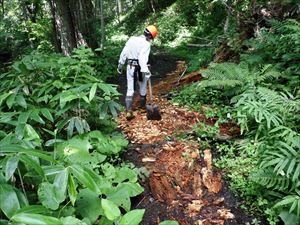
(79, 125)
(88, 205)
(169, 222)
(36, 209)
(11, 166)
(48, 196)
(30, 133)
(124, 174)
(10, 100)
(70, 128)
(289, 218)
(21, 101)
(29, 162)
(120, 197)
(72, 190)
(9, 148)
(21, 197)
(36, 117)
(114, 107)
(121, 194)
(35, 219)
(66, 97)
(70, 220)
(52, 170)
(111, 210)
(3, 97)
(19, 130)
(23, 117)
(46, 113)
(93, 91)
(133, 217)
(9, 202)
(76, 150)
(60, 184)
(84, 178)
(133, 189)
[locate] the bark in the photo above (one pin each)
(226, 24)
(2, 7)
(102, 24)
(118, 10)
(74, 24)
(119, 7)
(63, 25)
(83, 17)
(33, 9)
(152, 5)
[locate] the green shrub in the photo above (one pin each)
(53, 168)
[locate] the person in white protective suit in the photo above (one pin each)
(136, 54)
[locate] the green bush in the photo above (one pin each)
(278, 45)
(55, 167)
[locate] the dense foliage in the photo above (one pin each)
(59, 149)
(261, 94)
(57, 167)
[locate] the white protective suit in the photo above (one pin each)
(136, 48)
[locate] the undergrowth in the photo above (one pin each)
(261, 95)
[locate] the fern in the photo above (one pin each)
(264, 108)
(291, 202)
(236, 77)
(271, 180)
(227, 74)
(285, 159)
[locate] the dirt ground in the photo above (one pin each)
(183, 184)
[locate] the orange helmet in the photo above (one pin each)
(151, 31)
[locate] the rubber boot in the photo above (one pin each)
(143, 103)
(129, 113)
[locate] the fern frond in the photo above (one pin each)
(269, 179)
(291, 202)
(220, 83)
(284, 159)
(267, 73)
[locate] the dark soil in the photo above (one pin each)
(182, 185)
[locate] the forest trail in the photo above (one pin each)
(183, 185)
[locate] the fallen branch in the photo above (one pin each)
(182, 75)
(200, 45)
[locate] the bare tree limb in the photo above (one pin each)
(200, 45)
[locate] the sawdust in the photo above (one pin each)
(179, 176)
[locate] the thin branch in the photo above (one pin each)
(200, 45)
(182, 75)
(22, 184)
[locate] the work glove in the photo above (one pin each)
(147, 75)
(120, 68)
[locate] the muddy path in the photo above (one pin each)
(183, 184)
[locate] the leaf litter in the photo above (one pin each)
(180, 175)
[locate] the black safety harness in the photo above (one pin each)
(138, 75)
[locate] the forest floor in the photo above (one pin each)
(183, 184)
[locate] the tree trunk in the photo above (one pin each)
(102, 24)
(119, 7)
(2, 7)
(74, 24)
(152, 6)
(83, 17)
(118, 10)
(63, 25)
